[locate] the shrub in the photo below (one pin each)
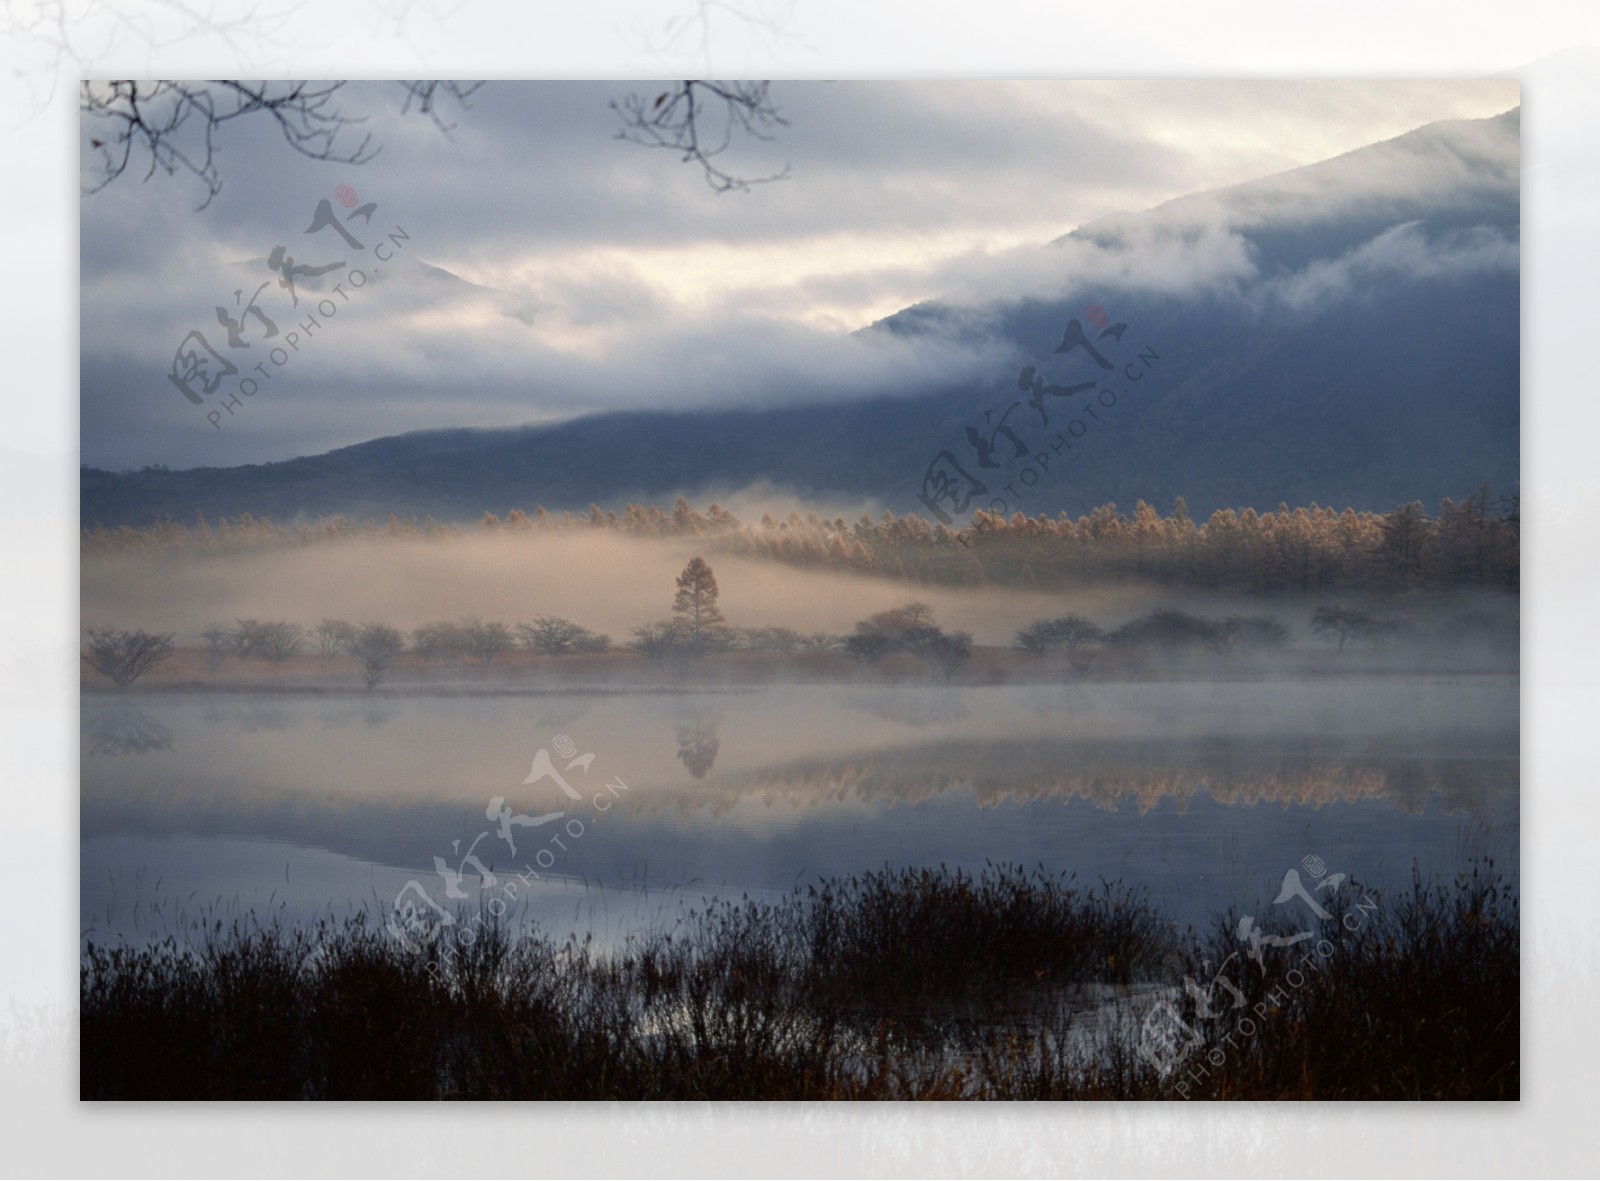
(334, 636)
(273, 639)
(440, 641)
(550, 635)
(125, 656)
(1066, 631)
(1169, 630)
(377, 646)
(484, 641)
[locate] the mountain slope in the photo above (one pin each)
(1345, 333)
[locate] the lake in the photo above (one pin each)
(207, 806)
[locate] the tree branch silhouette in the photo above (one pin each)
(699, 119)
(175, 125)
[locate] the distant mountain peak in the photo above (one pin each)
(1395, 378)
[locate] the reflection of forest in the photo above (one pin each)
(1111, 775)
(1476, 779)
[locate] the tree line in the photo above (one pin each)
(695, 629)
(1315, 550)
(1171, 630)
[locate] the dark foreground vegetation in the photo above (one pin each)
(910, 984)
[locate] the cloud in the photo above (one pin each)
(551, 271)
(1405, 252)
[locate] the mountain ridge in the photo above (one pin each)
(1362, 350)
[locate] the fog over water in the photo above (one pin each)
(1201, 777)
(608, 583)
(1205, 793)
(612, 583)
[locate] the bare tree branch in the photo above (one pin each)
(176, 124)
(690, 35)
(699, 119)
(71, 36)
(425, 95)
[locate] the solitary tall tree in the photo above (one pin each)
(695, 605)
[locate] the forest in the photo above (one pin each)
(1314, 550)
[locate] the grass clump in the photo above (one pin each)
(924, 983)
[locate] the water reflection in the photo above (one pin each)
(914, 706)
(270, 716)
(698, 746)
(1134, 775)
(1192, 791)
(123, 729)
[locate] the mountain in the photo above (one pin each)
(1345, 332)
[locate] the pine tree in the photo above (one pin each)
(1406, 533)
(696, 602)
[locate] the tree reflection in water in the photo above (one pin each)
(123, 730)
(698, 745)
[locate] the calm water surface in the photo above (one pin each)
(198, 806)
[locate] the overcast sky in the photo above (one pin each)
(551, 270)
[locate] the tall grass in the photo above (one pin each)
(1417, 997)
(889, 985)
